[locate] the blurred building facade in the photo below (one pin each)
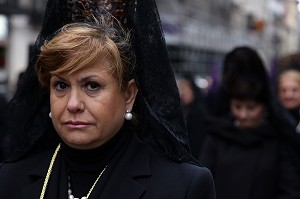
(198, 32)
(20, 25)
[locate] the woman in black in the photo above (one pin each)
(289, 93)
(194, 110)
(250, 151)
(91, 117)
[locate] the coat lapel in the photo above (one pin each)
(38, 173)
(55, 182)
(125, 181)
(33, 190)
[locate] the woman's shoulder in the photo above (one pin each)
(166, 165)
(182, 177)
(166, 169)
(24, 164)
(16, 175)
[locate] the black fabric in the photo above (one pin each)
(243, 137)
(4, 139)
(195, 113)
(84, 166)
(136, 173)
(295, 114)
(195, 120)
(249, 164)
(158, 98)
(157, 105)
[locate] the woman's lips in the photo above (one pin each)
(76, 124)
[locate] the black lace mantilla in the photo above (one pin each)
(83, 10)
(157, 104)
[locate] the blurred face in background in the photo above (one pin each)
(289, 91)
(185, 91)
(248, 113)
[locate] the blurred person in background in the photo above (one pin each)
(194, 110)
(4, 139)
(5, 136)
(289, 93)
(252, 152)
(217, 100)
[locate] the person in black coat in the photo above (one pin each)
(133, 172)
(289, 93)
(248, 151)
(194, 110)
(99, 123)
(4, 140)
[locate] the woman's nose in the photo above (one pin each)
(75, 102)
(243, 113)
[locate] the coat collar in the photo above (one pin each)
(126, 171)
(133, 166)
(39, 173)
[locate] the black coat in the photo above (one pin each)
(195, 118)
(252, 164)
(137, 173)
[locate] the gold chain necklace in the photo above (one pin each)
(50, 170)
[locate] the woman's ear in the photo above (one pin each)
(131, 93)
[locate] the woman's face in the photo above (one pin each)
(88, 107)
(289, 93)
(248, 113)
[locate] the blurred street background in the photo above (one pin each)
(198, 34)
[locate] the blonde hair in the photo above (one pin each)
(77, 45)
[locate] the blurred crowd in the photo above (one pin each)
(247, 130)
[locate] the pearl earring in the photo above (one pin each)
(50, 115)
(128, 115)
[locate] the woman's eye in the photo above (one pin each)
(237, 106)
(92, 86)
(60, 86)
(251, 108)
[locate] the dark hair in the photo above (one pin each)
(243, 61)
(248, 88)
(245, 75)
